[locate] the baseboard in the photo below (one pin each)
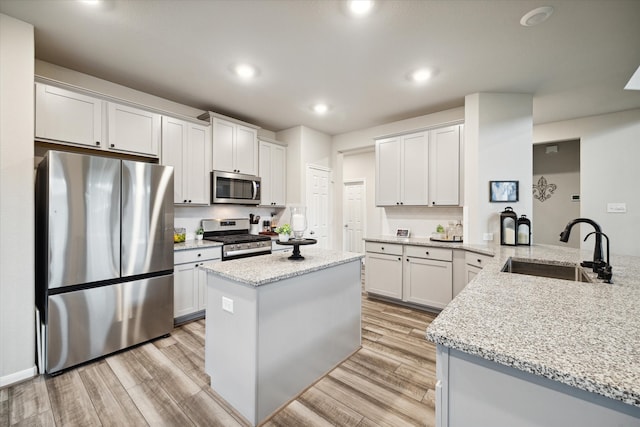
(16, 377)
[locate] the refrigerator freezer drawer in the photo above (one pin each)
(90, 323)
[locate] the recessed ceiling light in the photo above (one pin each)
(360, 7)
(91, 2)
(536, 16)
(320, 108)
(420, 76)
(245, 71)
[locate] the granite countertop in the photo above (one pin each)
(425, 241)
(586, 335)
(194, 244)
(263, 269)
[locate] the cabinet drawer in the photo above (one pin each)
(195, 255)
(383, 248)
(477, 260)
(428, 253)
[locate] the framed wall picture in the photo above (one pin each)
(503, 191)
(402, 232)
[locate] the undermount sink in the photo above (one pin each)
(555, 271)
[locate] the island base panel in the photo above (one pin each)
(475, 391)
(292, 333)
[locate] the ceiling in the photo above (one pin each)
(575, 64)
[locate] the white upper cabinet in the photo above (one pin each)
(65, 116)
(273, 173)
(415, 158)
(133, 130)
(187, 147)
(444, 166)
(235, 147)
(401, 170)
(388, 171)
(419, 169)
(79, 119)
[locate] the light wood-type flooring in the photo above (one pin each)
(388, 382)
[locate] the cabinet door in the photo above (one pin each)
(202, 289)
(278, 175)
(246, 150)
(197, 170)
(185, 289)
(388, 172)
(66, 116)
(273, 173)
(472, 271)
(133, 130)
(383, 275)
(265, 173)
(428, 282)
(415, 168)
(444, 168)
(223, 145)
(174, 135)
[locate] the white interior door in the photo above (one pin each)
(353, 209)
(318, 205)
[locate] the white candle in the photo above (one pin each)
(509, 236)
(297, 222)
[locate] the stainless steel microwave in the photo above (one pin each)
(235, 188)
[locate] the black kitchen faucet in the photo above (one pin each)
(599, 265)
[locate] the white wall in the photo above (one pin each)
(498, 146)
(17, 320)
(609, 172)
(304, 146)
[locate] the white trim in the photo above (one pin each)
(422, 129)
(319, 167)
(355, 181)
(16, 377)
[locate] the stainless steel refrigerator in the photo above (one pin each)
(104, 256)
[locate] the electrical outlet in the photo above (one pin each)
(616, 207)
(227, 304)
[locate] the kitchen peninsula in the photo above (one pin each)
(518, 349)
(274, 326)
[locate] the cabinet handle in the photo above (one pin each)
(427, 252)
(113, 145)
(97, 142)
(199, 255)
(479, 260)
(184, 201)
(397, 203)
(402, 203)
(189, 201)
(433, 203)
(399, 259)
(408, 260)
(382, 248)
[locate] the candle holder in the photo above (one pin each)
(298, 221)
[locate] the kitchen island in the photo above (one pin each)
(515, 349)
(274, 326)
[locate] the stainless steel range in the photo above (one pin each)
(234, 234)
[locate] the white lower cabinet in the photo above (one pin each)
(473, 264)
(416, 274)
(189, 282)
(383, 269)
(424, 275)
(428, 276)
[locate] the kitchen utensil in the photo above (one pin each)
(257, 220)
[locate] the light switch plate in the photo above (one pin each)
(227, 304)
(616, 208)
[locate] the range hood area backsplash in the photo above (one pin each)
(190, 217)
